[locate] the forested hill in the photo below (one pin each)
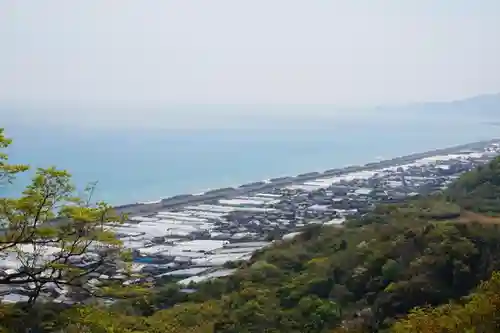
(365, 277)
(479, 190)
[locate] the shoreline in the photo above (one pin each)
(180, 200)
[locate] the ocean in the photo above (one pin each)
(141, 164)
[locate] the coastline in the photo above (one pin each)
(280, 182)
(190, 238)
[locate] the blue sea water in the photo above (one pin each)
(146, 164)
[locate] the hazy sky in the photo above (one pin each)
(159, 52)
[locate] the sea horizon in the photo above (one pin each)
(148, 163)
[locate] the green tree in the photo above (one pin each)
(7, 171)
(479, 312)
(391, 270)
(317, 313)
(54, 238)
(91, 319)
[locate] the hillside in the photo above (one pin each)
(479, 190)
(487, 105)
(479, 312)
(365, 277)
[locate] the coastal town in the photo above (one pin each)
(193, 238)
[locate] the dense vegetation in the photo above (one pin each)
(479, 312)
(479, 190)
(411, 267)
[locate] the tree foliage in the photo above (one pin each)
(52, 237)
(479, 190)
(478, 312)
(7, 170)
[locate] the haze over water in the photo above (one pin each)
(138, 164)
(155, 98)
